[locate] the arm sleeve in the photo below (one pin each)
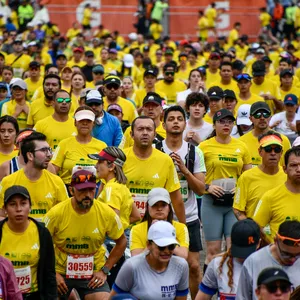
(183, 285)
(59, 155)
(199, 166)
(247, 157)
(244, 288)
(209, 283)
(124, 280)
(4, 110)
(3, 187)
(136, 238)
(262, 214)
(182, 235)
(50, 222)
(61, 191)
(113, 197)
(30, 117)
(114, 227)
(273, 120)
(240, 197)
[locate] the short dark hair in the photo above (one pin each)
(60, 91)
(49, 66)
(169, 65)
(52, 76)
(141, 118)
(269, 132)
(174, 108)
(290, 228)
(10, 119)
(225, 63)
(194, 98)
(293, 150)
(28, 144)
(8, 68)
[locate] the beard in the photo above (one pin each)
(85, 206)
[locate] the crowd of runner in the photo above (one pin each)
(120, 156)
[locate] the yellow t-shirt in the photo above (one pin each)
(139, 95)
(212, 77)
(203, 25)
(22, 249)
(39, 110)
(265, 19)
(296, 81)
(81, 234)
(139, 232)
(9, 108)
(253, 98)
(127, 140)
(72, 63)
(6, 157)
(294, 90)
(70, 153)
(129, 111)
(39, 93)
(224, 161)
(170, 90)
(183, 75)
(145, 174)
(231, 86)
(118, 196)
(233, 37)
(56, 131)
(156, 30)
(87, 14)
(19, 65)
(211, 14)
(32, 87)
(72, 33)
(275, 207)
(252, 185)
(252, 143)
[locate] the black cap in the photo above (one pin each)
(245, 235)
(229, 94)
(146, 49)
(272, 274)
(215, 93)
(238, 65)
(34, 64)
(286, 71)
(221, 114)
(16, 190)
(259, 105)
(266, 59)
(89, 53)
(112, 79)
(61, 55)
(259, 69)
(152, 97)
(150, 71)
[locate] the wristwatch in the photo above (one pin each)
(105, 270)
(207, 187)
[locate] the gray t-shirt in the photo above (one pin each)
(140, 280)
(254, 264)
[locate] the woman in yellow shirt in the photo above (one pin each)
(28, 245)
(9, 128)
(78, 82)
(158, 208)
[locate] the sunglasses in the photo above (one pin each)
(169, 247)
(272, 287)
(112, 86)
(61, 100)
(270, 148)
(287, 255)
(289, 241)
(98, 73)
(258, 115)
(84, 178)
(225, 121)
(243, 76)
(169, 73)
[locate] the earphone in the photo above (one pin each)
(99, 120)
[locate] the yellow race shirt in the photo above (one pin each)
(156, 30)
(212, 77)
(294, 90)
(127, 140)
(253, 98)
(233, 37)
(39, 110)
(139, 95)
(81, 234)
(231, 86)
(45, 192)
(224, 161)
(22, 249)
(73, 63)
(72, 33)
(118, 196)
(158, 170)
(70, 153)
(171, 90)
(32, 87)
(203, 28)
(87, 14)
(265, 19)
(139, 232)
(9, 108)
(296, 81)
(276, 206)
(129, 111)
(6, 157)
(56, 131)
(211, 14)
(19, 65)
(183, 75)
(252, 143)
(252, 185)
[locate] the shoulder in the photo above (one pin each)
(179, 261)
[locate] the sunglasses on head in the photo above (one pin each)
(244, 76)
(169, 247)
(112, 86)
(270, 148)
(61, 100)
(84, 178)
(289, 241)
(169, 73)
(258, 115)
(272, 287)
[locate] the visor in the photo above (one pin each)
(84, 115)
(105, 156)
(270, 140)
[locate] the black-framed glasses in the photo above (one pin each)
(287, 255)
(265, 114)
(169, 73)
(112, 86)
(169, 247)
(61, 100)
(45, 150)
(270, 148)
(272, 287)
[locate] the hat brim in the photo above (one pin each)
(91, 101)
(243, 121)
(260, 108)
(17, 193)
(96, 157)
(84, 185)
(275, 278)
(258, 73)
(151, 101)
(85, 117)
(214, 97)
(242, 252)
(128, 65)
(156, 199)
(165, 242)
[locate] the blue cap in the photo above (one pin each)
(290, 99)
(3, 85)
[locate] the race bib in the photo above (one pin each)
(24, 279)
(140, 201)
(18, 72)
(184, 190)
(80, 266)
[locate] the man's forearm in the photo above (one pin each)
(178, 205)
(117, 252)
(240, 215)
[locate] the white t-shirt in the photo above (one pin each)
(181, 96)
(204, 131)
(283, 127)
(188, 196)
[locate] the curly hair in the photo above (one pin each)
(227, 256)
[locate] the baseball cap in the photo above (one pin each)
(34, 64)
(259, 105)
(285, 72)
(3, 85)
(152, 72)
(78, 49)
(215, 55)
(103, 155)
(229, 94)
(162, 233)
(158, 194)
(290, 99)
(146, 49)
(152, 98)
(89, 53)
(83, 179)
(169, 52)
(18, 40)
(221, 114)
(61, 55)
(132, 36)
(93, 96)
(243, 115)
(113, 50)
(245, 235)
(266, 59)
(296, 142)
(33, 43)
(259, 69)
(20, 83)
(260, 51)
(84, 115)
(216, 94)
(84, 92)
(238, 65)
(98, 69)
(112, 79)
(66, 68)
(243, 76)
(16, 190)
(272, 274)
(128, 61)
(116, 107)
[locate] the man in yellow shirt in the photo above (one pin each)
(260, 115)
(34, 81)
(87, 17)
(213, 72)
(281, 203)
(77, 58)
(79, 227)
(73, 31)
(234, 34)
(202, 26)
(264, 18)
(253, 183)
(211, 14)
(147, 167)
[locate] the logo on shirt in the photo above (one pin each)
(96, 230)
(49, 196)
(237, 150)
(35, 246)
(168, 291)
(155, 176)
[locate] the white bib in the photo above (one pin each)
(80, 266)
(184, 190)
(24, 279)
(140, 201)
(18, 72)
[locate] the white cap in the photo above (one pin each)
(162, 233)
(20, 83)
(31, 44)
(93, 96)
(128, 60)
(243, 115)
(296, 142)
(132, 36)
(158, 194)
(84, 115)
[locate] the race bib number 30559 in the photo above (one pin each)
(80, 266)
(24, 279)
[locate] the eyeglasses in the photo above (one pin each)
(84, 178)
(61, 100)
(270, 148)
(244, 76)
(170, 247)
(272, 287)
(287, 255)
(169, 73)
(112, 86)
(289, 241)
(225, 121)
(258, 115)
(45, 150)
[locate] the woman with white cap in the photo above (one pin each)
(129, 69)
(157, 273)
(74, 151)
(158, 208)
(243, 123)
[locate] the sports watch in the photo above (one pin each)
(105, 270)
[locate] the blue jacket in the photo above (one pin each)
(109, 131)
